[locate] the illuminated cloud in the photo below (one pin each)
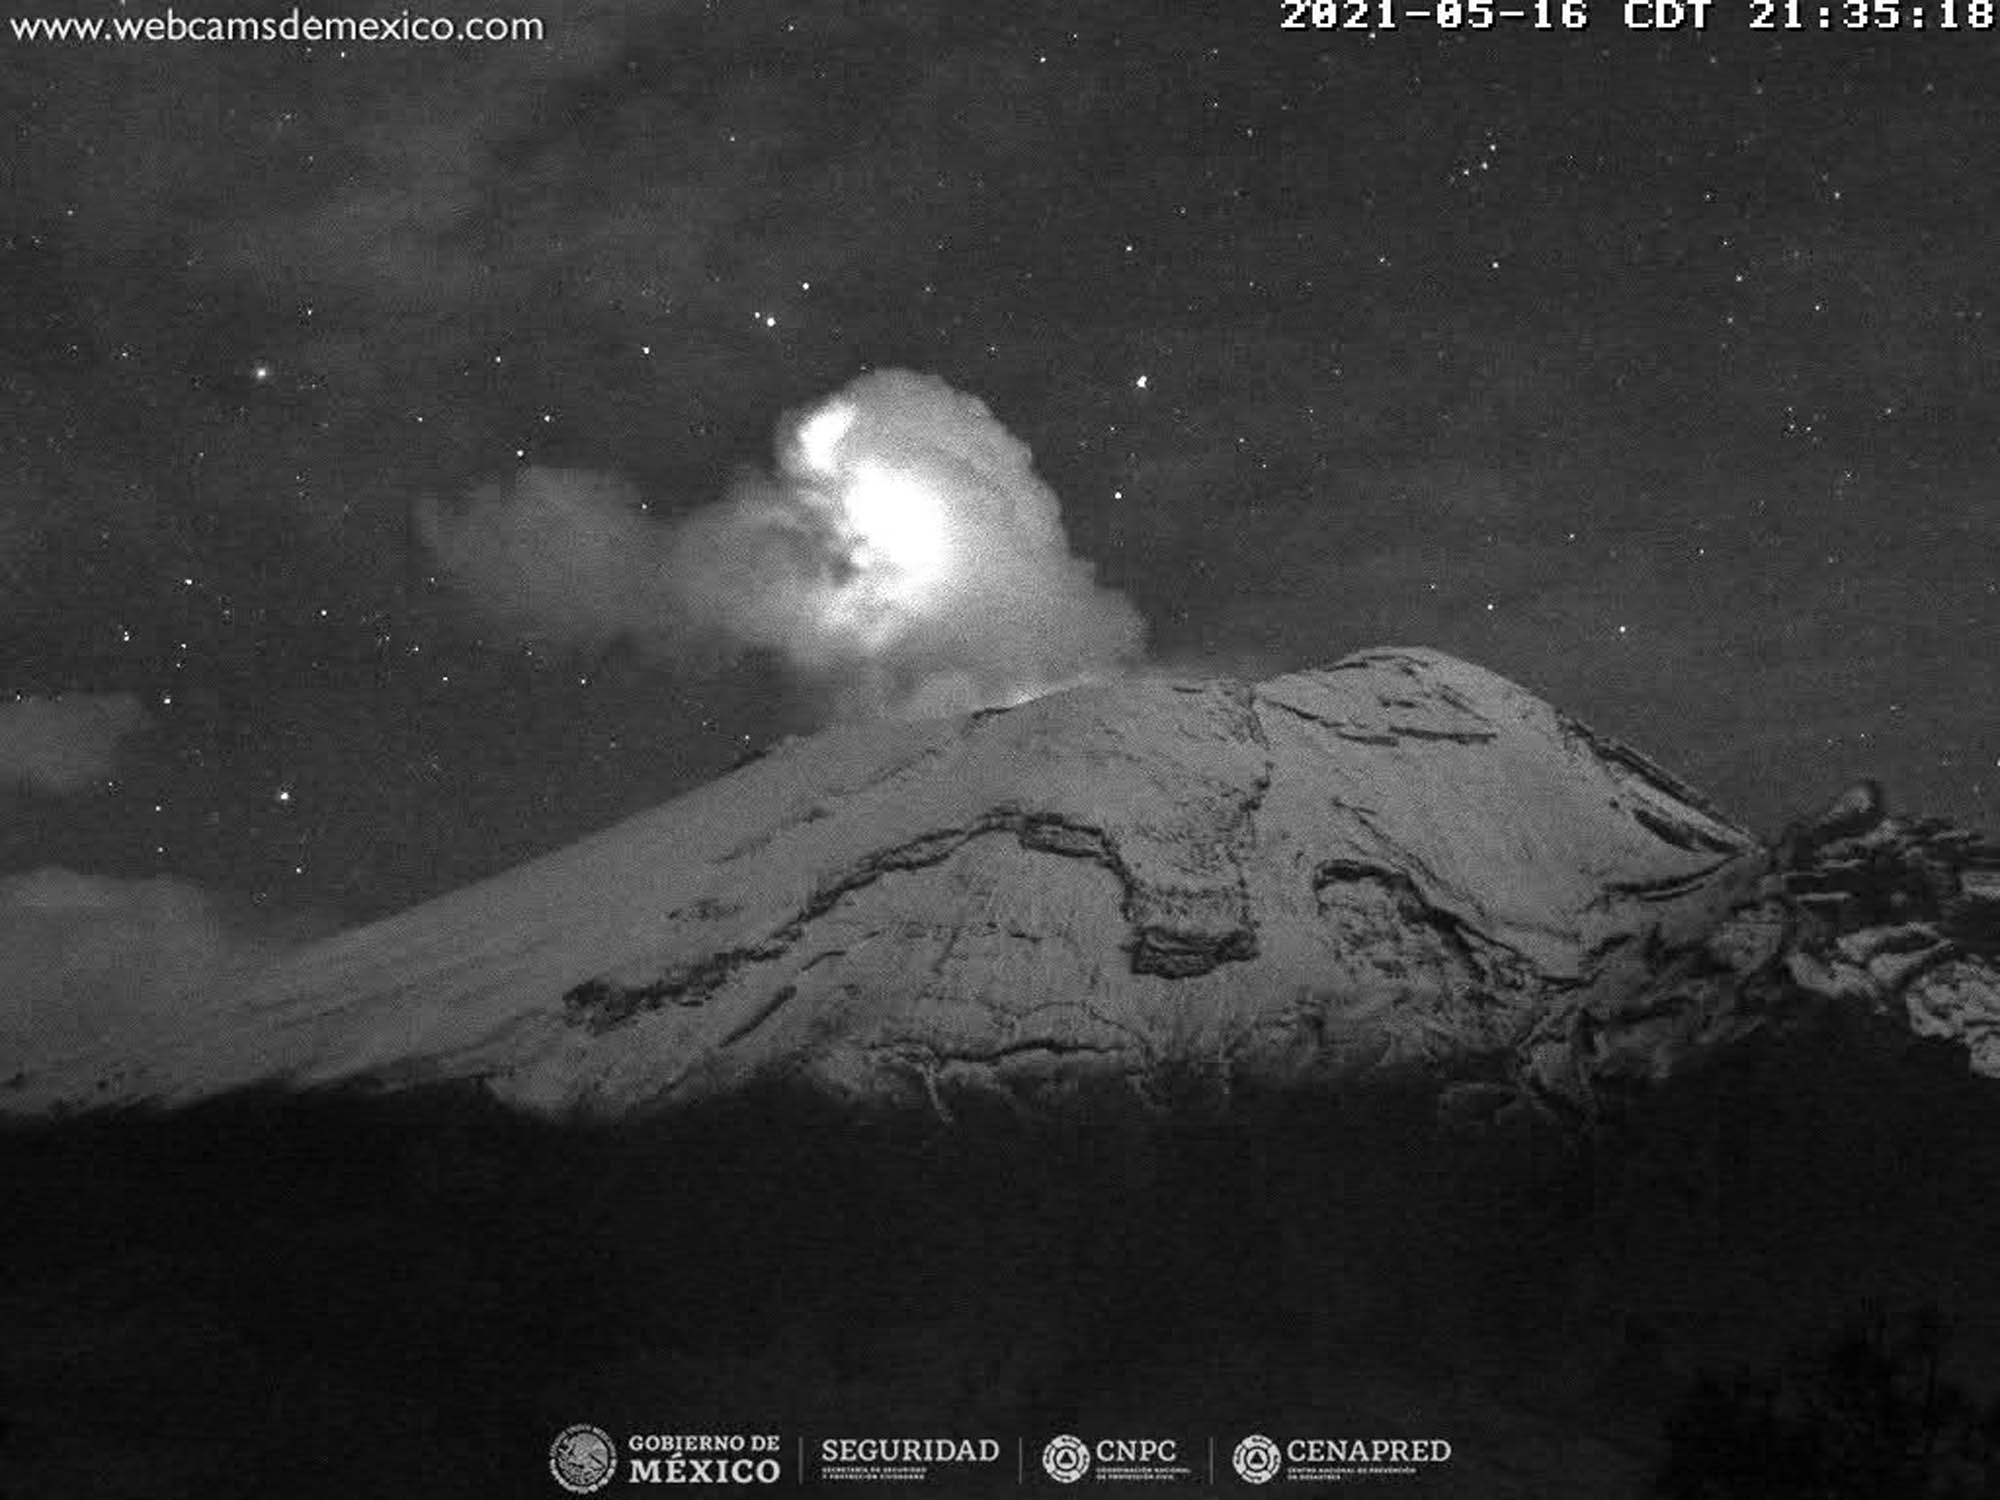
(904, 559)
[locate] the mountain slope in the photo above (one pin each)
(1547, 1087)
(1400, 860)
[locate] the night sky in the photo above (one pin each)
(1656, 372)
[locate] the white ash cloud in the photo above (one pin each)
(903, 558)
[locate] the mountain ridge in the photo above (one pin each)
(1398, 861)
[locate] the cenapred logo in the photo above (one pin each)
(1066, 1458)
(1257, 1459)
(583, 1458)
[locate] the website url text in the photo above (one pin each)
(295, 27)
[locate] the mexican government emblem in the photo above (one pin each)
(583, 1458)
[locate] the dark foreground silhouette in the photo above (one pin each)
(412, 1294)
(1870, 1416)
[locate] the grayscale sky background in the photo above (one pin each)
(1657, 372)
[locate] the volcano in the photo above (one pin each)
(1377, 1043)
(1400, 861)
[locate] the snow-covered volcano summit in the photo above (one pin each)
(1399, 860)
(1312, 1047)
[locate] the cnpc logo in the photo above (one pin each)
(1067, 1458)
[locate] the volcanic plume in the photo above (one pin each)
(903, 558)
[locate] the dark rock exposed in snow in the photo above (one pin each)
(1901, 916)
(1860, 916)
(1374, 1042)
(1155, 890)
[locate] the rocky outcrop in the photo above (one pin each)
(1901, 916)
(1401, 865)
(1860, 916)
